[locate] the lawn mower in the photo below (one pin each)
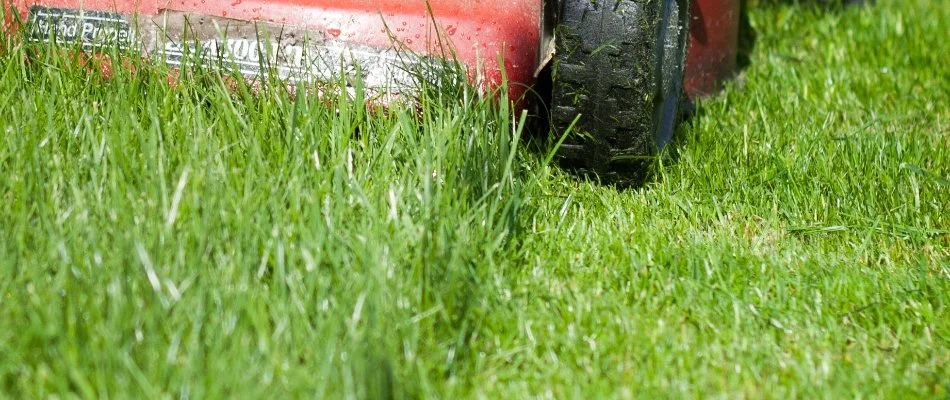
(616, 69)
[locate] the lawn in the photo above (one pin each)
(204, 240)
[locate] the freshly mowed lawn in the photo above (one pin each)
(196, 241)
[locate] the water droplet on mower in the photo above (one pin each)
(451, 30)
(334, 32)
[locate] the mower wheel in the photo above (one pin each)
(618, 71)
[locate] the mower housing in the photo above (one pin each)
(492, 38)
(315, 38)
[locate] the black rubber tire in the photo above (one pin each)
(619, 67)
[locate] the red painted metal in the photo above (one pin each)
(712, 52)
(477, 31)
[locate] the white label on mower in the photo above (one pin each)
(252, 48)
(91, 29)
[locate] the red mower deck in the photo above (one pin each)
(307, 38)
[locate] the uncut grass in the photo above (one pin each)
(196, 240)
(215, 238)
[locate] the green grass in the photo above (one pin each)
(196, 241)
